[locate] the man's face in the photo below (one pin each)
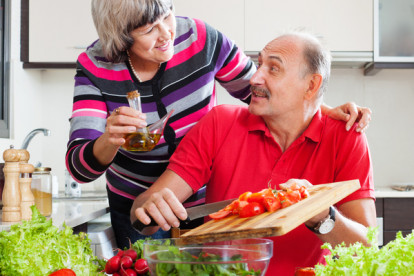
(279, 86)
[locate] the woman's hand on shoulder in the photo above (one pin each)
(350, 113)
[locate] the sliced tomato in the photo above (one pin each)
(251, 209)
(293, 195)
(256, 197)
(271, 203)
(281, 195)
(232, 206)
(244, 196)
(286, 203)
(304, 192)
(259, 196)
(220, 214)
(241, 205)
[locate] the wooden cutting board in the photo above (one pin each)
(273, 224)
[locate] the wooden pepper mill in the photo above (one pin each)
(27, 198)
(11, 192)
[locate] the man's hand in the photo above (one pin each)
(164, 208)
(350, 113)
(300, 182)
(162, 203)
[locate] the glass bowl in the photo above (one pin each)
(233, 257)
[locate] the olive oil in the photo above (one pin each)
(138, 141)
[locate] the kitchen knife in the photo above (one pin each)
(192, 212)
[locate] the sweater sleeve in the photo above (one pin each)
(236, 70)
(87, 123)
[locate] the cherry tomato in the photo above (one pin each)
(304, 192)
(244, 196)
(259, 196)
(251, 209)
(63, 272)
(220, 214)
(271, 203)
(286, 203)
(232, 206)
(241, 206)
(304, 271)
(293, 195)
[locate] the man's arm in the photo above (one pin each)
(351, 222)
(162, 202)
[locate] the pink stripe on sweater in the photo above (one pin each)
(229, 75)
(67, 163)
(192, 118)
(195, 47)
(232, 64)
(83, 162)
(90, 113)
(90, 104)
(119, 192)
(103, 73)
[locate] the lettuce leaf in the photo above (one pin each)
(37, 247)
(395, 258)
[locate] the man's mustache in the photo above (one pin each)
(255, 89)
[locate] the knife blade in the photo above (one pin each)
(193, 213)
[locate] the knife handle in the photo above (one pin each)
(139, 226)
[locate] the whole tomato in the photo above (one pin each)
(63, 272)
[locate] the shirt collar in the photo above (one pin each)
(313, 131)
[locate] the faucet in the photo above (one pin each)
(31, 134)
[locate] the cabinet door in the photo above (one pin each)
(227, 16)
(342, 25)
(59, 30)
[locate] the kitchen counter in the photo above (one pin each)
(74, 212)
(386, 192)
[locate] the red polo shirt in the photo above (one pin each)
(232, 151)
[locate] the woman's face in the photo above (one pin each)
(155, 42)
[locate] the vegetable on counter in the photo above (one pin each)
(395, 258)
(267, 200)
(128, 262)
(37, 247)
(63, 272)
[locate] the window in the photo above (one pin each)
(4, 67)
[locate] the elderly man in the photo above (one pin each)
(281, 135)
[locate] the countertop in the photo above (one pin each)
(384, 192)
(73, 211)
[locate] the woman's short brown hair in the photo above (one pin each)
(115, 19)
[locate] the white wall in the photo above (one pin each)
(43, 98)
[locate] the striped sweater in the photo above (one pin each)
(186, 83)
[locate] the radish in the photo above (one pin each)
(131, 253)
(129, 272)
(116, 274)
(126, 262)
(113, 264)
(141, 266)
(120, 253)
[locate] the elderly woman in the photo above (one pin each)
(173, 62)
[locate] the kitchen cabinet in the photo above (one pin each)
(346, 26)
(55, 32)
(398, 215)
(226, 16)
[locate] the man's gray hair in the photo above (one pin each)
(116, 19)
(317, 58)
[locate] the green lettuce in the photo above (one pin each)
(395, 258)
(37, 247)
